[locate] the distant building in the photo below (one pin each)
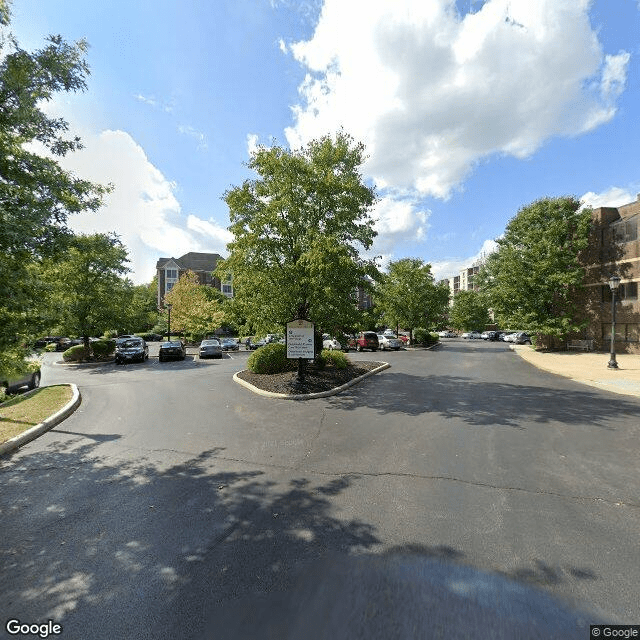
(464, 281)
(169, 271)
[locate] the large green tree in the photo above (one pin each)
(87, 287)
(534, 280)
(469, 311)
(298, 228)
(196, 308)
(409, 295)
(36, 194)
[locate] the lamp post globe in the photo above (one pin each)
(614, 283)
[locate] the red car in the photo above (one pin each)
(364, 340)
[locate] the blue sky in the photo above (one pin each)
(469, 110)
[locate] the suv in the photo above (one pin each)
(364, 340)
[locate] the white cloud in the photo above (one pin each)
(612, 197)
(431, 93)
(142, 209)
(252, 143)
(452, 267)
(188, 130)
(210, 229)
(399, 222)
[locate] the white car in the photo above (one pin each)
(331, 344)
(389, 342)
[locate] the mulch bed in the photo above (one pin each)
(316, 380)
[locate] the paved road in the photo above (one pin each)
(460, 490)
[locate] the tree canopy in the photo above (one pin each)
(298, 228)
(36, 194)
(409, 295)
(534, 279)
(469, 311)
(87, 287)
(196, 308)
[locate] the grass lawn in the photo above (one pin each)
(19, 414)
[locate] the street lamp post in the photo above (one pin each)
(614, 283)
(169, 322)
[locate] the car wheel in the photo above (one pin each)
(160, 359)
(374, 349)
(34, 383)
(358, 348)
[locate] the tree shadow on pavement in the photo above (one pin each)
(132, 549)
(484, 403)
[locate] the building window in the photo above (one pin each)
(626, 231)
(626, 291)
(629, 291)
(227, 289)
(171, 274)
(169, 286)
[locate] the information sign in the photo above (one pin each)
(300, 339)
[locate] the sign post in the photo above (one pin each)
(300, 345)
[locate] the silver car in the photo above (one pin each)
(210, 349)
(387, 341)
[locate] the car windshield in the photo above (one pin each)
(209, 343)
(130, 344)
(227, 341)
(171, 344)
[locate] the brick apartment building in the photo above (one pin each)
(614, 249)
(169, 271)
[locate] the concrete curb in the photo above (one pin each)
(33, 433)
(309, 396)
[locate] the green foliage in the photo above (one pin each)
(409, 296)
(534, 280)
(50, 347)
(77, 353)
(36, 194)
(337, 359)
(420, 335)
(469, 311)
(194, 310)
(297, 232)
(103, 348)
(86, 287)
(271, 358)
(424, 337)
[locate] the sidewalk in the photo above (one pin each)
(588, 368)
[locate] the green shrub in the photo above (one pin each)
(103, 348)
(112, 333)
(50, 347)
(432, 338)
(420, 336)
(75, 354)
(338, 359)
(271, 358)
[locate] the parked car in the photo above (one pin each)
(521, 338)
(507, 336)
(446, 334)
(229, 344)
(131, 350)
(364, 340)
(43, 342)
(174, 350)
(386, 341)
(30, 379)
(151, 337)
(211, 348)
(331, 343)
(489, 335)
